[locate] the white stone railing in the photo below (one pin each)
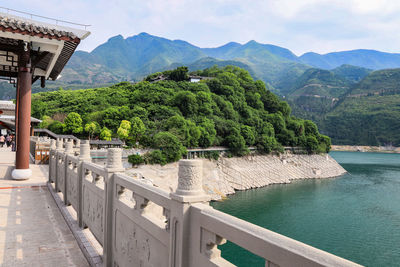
(141, 225)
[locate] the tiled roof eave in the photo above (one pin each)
(40, 34)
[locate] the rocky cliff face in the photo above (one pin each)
(226, 175)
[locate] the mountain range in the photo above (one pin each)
(132, 58)
(317, 86)
(135, 57)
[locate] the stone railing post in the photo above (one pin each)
(114, 165)
(52, 144)
(52, 149)
(59, 144)
(69, 150)
(189, 191)
(78, 143)
(59, 149)
(84, 156)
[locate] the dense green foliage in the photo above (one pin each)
(231, 109)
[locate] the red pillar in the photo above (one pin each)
(24, 115)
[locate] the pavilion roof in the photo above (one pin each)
(52, 45)
(23, 26)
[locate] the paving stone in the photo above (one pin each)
(32, 229)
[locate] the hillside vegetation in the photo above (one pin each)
(367, 113)
(230, 109)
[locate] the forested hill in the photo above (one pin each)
(368, 113)
(228, 109)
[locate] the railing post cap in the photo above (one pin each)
(84, 151)
(53, 144)
(59, 144)
(69, 147)
(114, 160)
(190, 182)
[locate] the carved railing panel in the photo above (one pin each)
(140, 223)
(72, 180)
(93, 199)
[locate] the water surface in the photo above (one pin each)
(355, 216)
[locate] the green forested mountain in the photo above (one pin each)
(320, 83)
(228, 109)
(383, 82)
(352, 73)
(367, 114)
(316, 92)
(365, 120)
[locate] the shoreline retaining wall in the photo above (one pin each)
(226, 175)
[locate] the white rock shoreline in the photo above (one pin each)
(226, 175)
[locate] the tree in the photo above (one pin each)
(179, 74)
(207, 133)
(124, 129)
(91, 128)
(310, 128)
(135, 159)
(137, 128)
(248, 134)
(170, 146)
(56, 127)
(105, 134)
(73, 123)
(46, 121)
(267, 144)
(311, 144)
(187, 103)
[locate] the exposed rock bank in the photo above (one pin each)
(224, 176)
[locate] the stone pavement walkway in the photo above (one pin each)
(32, 230)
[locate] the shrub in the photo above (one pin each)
(135, 159)
(212, 155)
(156, 157)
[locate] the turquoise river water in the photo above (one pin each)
(355, 216)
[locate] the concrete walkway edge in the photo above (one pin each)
(91, 254)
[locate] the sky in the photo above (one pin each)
(320, 26)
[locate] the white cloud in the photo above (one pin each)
(306, 25)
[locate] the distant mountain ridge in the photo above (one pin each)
(370, 59)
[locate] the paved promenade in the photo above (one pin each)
(32, 230)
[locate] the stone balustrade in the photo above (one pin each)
(142, 225)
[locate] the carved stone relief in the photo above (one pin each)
(136, 247)
(92, 213)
